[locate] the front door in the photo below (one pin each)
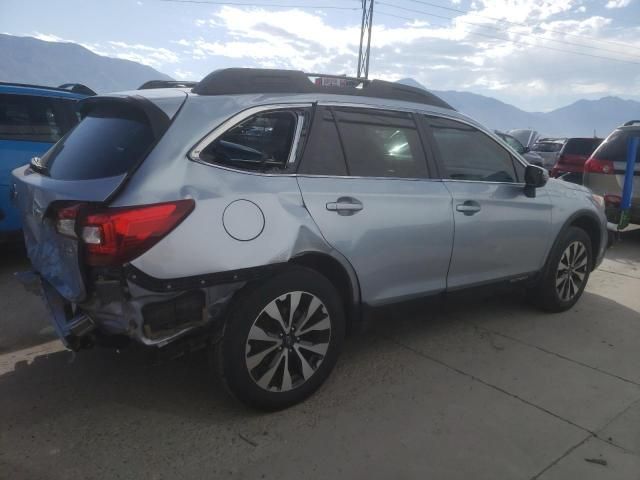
(365, 181)
(499, 232)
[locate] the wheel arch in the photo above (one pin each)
(342, 276)
(590, 223)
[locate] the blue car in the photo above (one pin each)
(32, 118)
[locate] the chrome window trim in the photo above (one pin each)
(296, 139)
(194, 153)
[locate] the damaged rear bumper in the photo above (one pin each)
(72, 327)
(124, 310)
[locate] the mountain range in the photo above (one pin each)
(581, 118)
(29, 60)
(33, 61)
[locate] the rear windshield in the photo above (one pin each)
(547, 147)
(614, 148)
(106, 143)
(581, 146)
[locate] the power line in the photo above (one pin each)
(459, 10)
(264, 5)
(524, 43)
(507, 29)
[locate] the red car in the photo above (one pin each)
(573, 156)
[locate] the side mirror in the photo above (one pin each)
(534, 177)
(526, 149)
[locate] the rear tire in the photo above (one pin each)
(271, 358)
(566, 274)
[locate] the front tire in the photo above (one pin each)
(566, 274)
(282, 339)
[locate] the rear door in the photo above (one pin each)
(364, 179)
(29, 125)
(499, 231)
(87, 165)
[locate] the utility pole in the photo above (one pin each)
(365, 31)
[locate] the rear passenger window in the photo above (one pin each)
(34, 119)
(469, 154)
(323, 154)
(262, 142)
(381, 144)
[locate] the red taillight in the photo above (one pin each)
(595, 165)
(113, 236)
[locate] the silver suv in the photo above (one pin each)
(260, 212)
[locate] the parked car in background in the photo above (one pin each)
(526, 136)
(261, 215)
(604, 171)
(532, 157)
(573, 155)
(549, 150)
(32, 118)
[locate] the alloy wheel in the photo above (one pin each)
(572, 271)
(288, 341)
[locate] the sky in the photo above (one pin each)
(535, 54)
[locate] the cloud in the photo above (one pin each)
(156, 57)
(152, 56)
(523, 64)
(48, 37)
(617, 3)
(184, 75)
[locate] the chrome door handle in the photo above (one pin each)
(469, 207)
(345, 206)
(350, 207)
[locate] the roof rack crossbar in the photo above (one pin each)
(632, 122)
(235, 81)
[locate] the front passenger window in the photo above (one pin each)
(469, 154)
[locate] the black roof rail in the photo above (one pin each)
(77, 88)
(234, 81)
(167, 84)
(631, 122)
(62, 88)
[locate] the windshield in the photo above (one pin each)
(512, 142)
(581, 146)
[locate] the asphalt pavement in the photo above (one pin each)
(481, 389)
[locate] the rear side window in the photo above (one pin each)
(614, 148)
(381, 144)
(581, 146)
(262, 142)
(109, 141)
(35, 119)
(323, 153)
(469, 154)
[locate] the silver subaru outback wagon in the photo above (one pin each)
(260, 211)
